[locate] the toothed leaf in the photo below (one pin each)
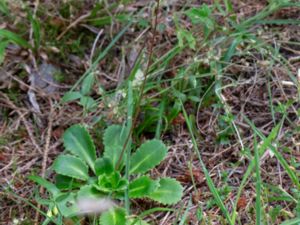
(66, 204)
(115, 216)
(66, 183)
(103, 165)
(114, 139)
(79, 142)
(141, 187)
(149, 155)
(89, 192)
(169, 191)
(71, 166)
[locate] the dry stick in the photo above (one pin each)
(142, 87)
(28, 128)
(78, 20)
(45, 156)
(94, 46)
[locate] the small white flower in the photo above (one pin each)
(16, 221)
(138, 79)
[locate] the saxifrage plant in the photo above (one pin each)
(81, 175)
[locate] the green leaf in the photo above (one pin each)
(46, 184)
(231, 50)
(14, 38)
(113, 140)
(114, 136)
(111, 182)
(188, 36)
(169, 191)
(78, 141)
(87, 102)
(141, 187)
(71, 166)
(89, 192)
(199, 15)
(202, 16)
(71, 96)
(149, 155)
(103, 165)
(87, 84)
(113, 217)
(66, 183)
(66, 204)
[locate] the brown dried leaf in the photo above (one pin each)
(242, 203)
(179, 120)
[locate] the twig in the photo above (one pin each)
(48, 138)
(94, 45)
(78, 20)
(29, 131)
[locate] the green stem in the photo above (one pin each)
(128, 146)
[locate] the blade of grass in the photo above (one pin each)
(164, 60)
(14, 38)
(278, 155)
(263, 147)
(279, 22)
(271, 102)
(130, 110)
(210, 183)
(258, 183)
(185, 214)
(229, 7)
(160, 119)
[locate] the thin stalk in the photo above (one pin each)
(142, 87)
(258, 183)
(128, 146)
(160, 119)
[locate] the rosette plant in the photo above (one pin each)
(81, 175)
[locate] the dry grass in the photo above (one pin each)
(254, 85)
